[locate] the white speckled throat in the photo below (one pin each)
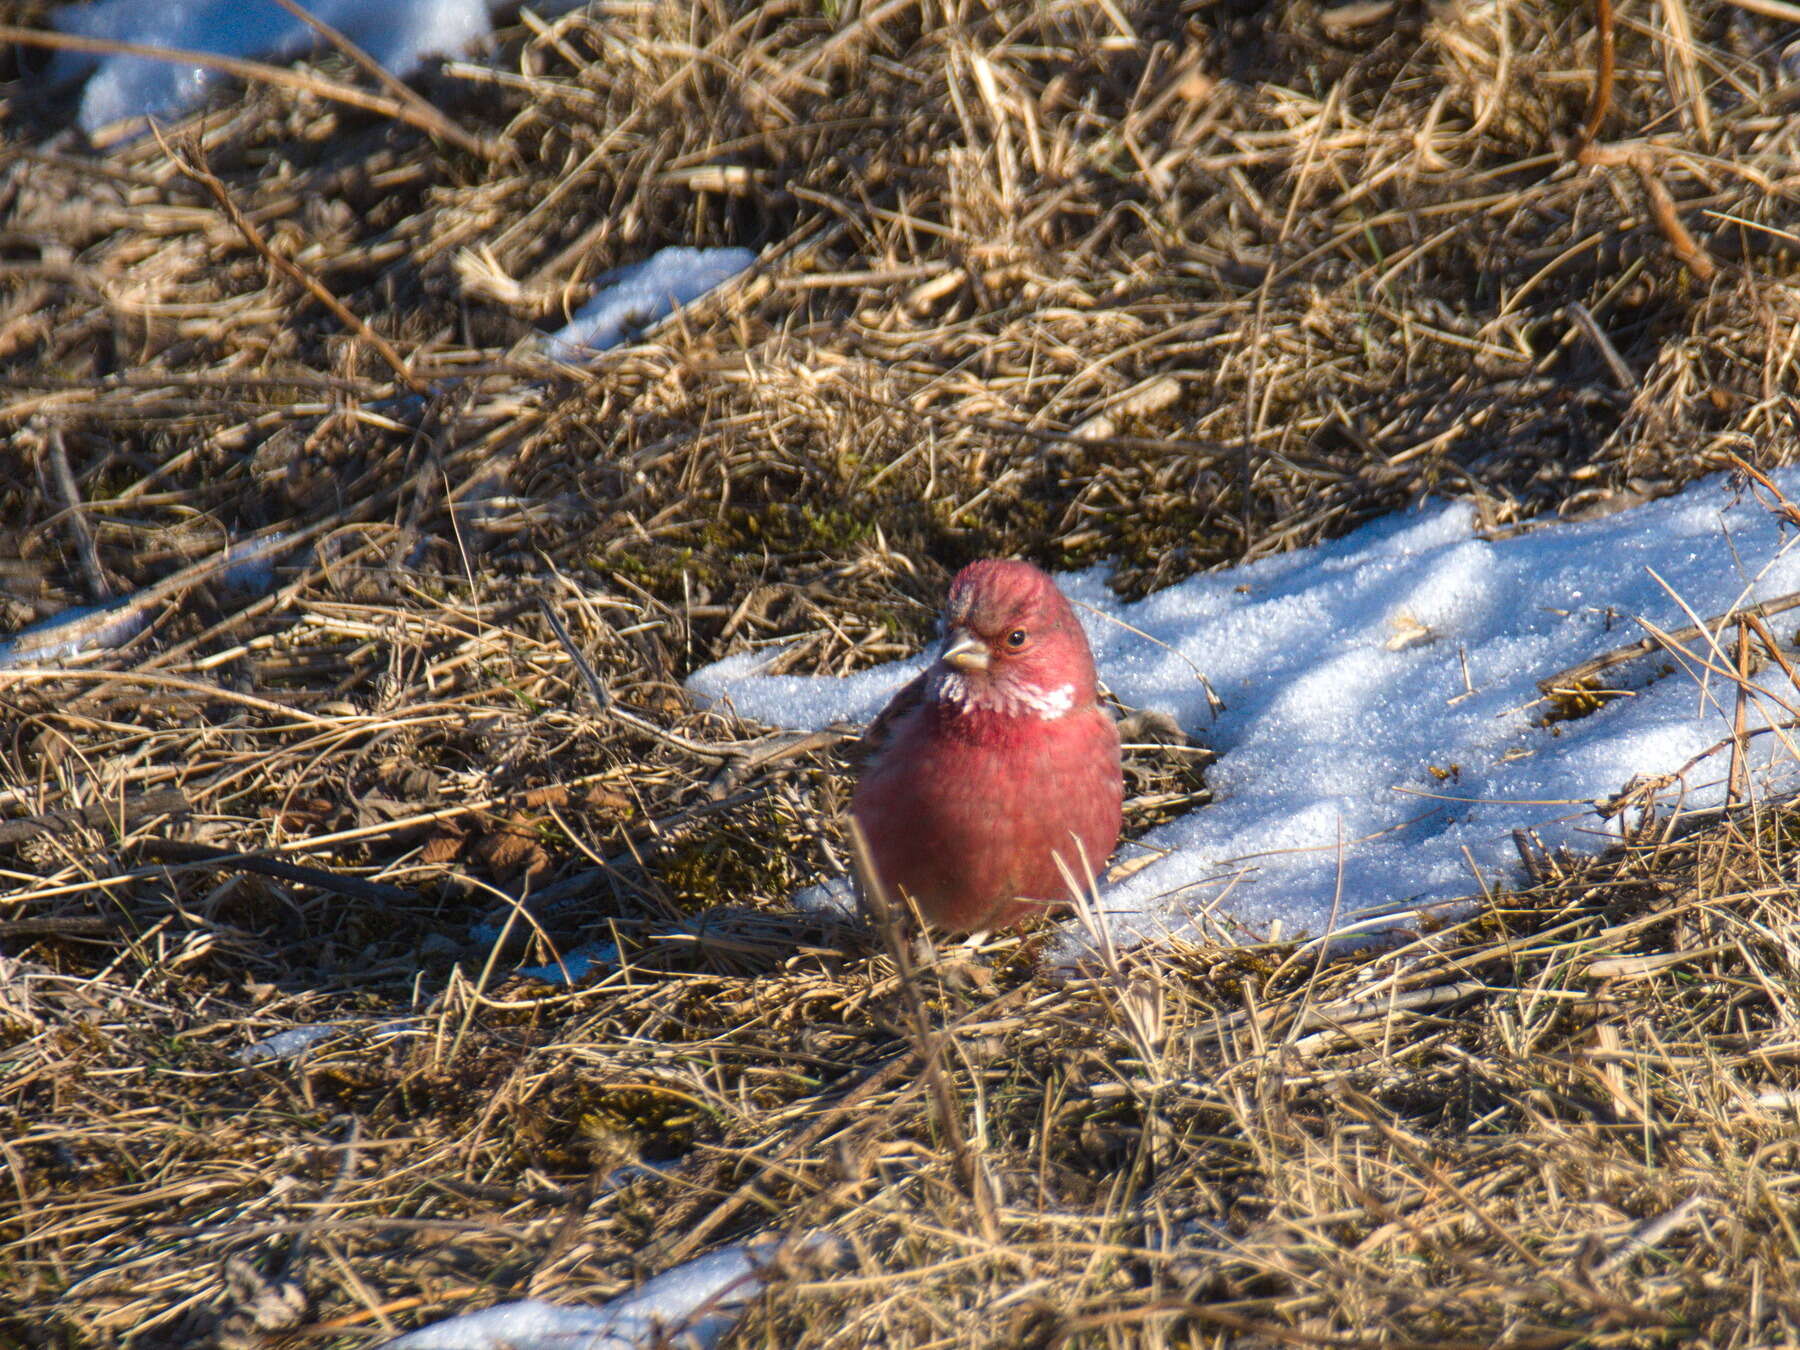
(1011, 698)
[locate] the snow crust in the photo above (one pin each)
(399, 34)
(576, 965)
(1381, 739)
(290, 1044)
(688, 1308)
(296, 1042)
(633, 297)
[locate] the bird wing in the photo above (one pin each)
(880, 731)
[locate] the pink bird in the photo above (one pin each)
(995, 761)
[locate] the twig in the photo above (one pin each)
(1532, 856)
(1590, 327)
(164, 801)
(1361, 1010)
(1645, 1237)
(928, 1044)
(1255, 1331)
(61, 925)
(1601, 99)
(186, 852)
(1584, 151)
(1662, 209)
(78, 524)
(1145, 444)
(425, 115)
(307, 282)
(1612, 806)
(1772, 9)
(26, 675)
(1662, 205)
(1575, 679)
(1773, 649)
(610, 706)
(1735, 776)
(826, 53)
(873, 1082)
(1784, 510)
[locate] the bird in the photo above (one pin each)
(994, 762)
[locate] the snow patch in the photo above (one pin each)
(691, 1306)
(400, 36)
(634, 297)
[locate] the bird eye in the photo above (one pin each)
(1016, 638)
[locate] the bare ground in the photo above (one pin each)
(1167, 286)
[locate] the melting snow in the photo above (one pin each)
(290, 1044)
(691, 1306)
(633, 297)
(399, 34)
(576, 965)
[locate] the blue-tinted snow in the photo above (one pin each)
(633, 297)
(399, 34)
(691, 1306)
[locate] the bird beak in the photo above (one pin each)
(965, 651)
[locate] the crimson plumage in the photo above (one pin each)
(995, 761)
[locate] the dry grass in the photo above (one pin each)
(1172, 286)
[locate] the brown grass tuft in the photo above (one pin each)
(1171, 286)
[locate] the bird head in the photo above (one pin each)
(1012, 644)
